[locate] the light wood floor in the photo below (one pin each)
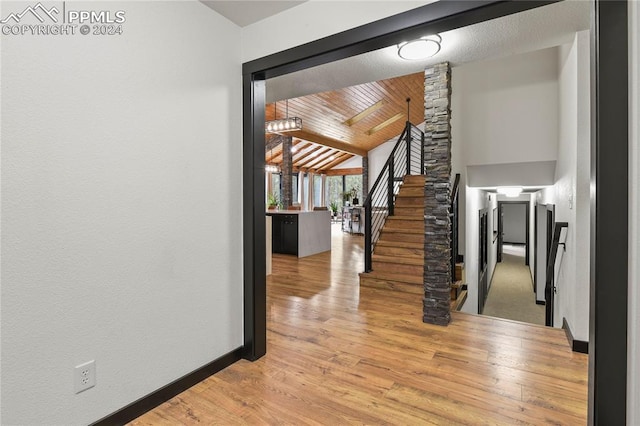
(341, 355)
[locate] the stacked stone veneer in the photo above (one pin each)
(287, 170)
(437, 158)
(365, 177)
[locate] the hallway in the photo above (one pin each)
(511, 293)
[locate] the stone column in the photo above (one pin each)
(286, 169)
(437, 158)
(365, 177)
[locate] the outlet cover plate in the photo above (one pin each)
(84, 376)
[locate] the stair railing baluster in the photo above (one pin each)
(408, 125)
(382, 194)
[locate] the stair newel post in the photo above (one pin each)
(367, 235)
(390, 187)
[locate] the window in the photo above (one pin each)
(352, 182)
(317, 191)
(334, 190)
(294, 188)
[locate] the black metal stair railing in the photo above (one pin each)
(550, 288)
(406, 158)
(453, 213)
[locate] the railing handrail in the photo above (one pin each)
(386, 164)
(454, 191)
(551, 265)
(453, 214)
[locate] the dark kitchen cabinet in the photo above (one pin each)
(285, 234)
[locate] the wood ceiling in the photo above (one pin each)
(340, 124)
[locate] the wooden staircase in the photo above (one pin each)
(398, 258)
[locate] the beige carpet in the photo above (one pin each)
(511, 294)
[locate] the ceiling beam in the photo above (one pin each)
(385, 123)
(313, 157)
(341, 159)
(332, 143)
(353, 120)
(344, 172)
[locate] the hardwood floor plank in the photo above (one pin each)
(338, 354)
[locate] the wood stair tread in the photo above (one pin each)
(389, 276)
(457, 304)
(415, 218)
(414, 231)
(400, 244)
(400, 260)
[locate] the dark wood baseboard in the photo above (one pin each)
(165, 393)
(576, 345)
(540, 302)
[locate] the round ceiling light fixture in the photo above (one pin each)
(422, 48)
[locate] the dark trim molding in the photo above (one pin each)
(165, 393)
(541, 302)
(434, 17)
(609, 213)
(576, 345)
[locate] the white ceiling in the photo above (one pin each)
(540, 28)
(244, 13)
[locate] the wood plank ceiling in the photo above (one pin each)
(339, 124)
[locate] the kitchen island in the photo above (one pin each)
(301, 233)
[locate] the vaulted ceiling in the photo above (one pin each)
(339, 124)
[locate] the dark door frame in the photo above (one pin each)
(527, 205)
(483, 258)
(549, 299)
(609, 149)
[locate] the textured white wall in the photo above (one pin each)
(314, 20)
(476, 200)
(121, 187)
(493, 243)
(503, 111)
(570, 193)
(633, 397)
(506, 110)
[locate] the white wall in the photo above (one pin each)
(477, 200)
(570, 193)
(313, 20)
(492, 257)
(514, 223)
(353, 162)
(504, 111)
(121, 187)
(633, 397)
(532, 233)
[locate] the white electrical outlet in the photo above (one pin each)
(84, 376)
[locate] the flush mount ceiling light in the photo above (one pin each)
(422, 48)
(510, 191)
(287, 124)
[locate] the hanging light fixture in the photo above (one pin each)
(271, 168)
(422, 48)
(287, 124)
